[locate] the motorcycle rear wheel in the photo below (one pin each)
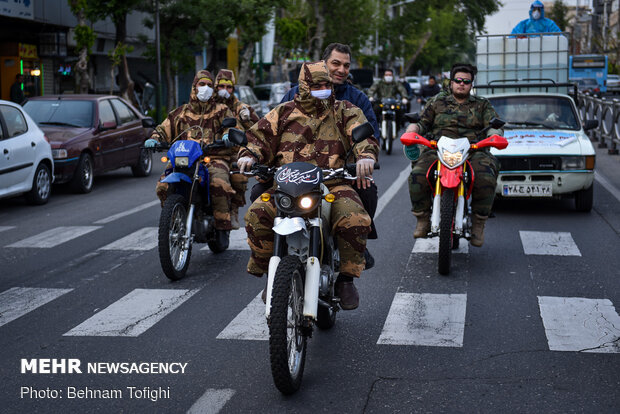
(287, 342)
(446, 229)
(173, 258)
(389, 138)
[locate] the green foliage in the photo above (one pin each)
(116, 54)
(291, 32)
(84, 37)
(558, 14)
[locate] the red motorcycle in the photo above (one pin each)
(452, 180)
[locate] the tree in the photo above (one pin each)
(85, 38)
(558, 14)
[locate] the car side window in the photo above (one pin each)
(15, 122)
(106, 114)
(125, 113)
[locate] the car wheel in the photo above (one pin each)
(82, 181)
(41, 186)
(584, 199)
(144, 165)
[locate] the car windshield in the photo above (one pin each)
(61, 112)
(548, 112)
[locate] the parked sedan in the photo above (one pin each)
(91, 134)
(613, 83)
(26, 165)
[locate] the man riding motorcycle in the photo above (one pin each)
(246, 116)
(201, 120)
(387, 88)
(314, 128)
(458, 114)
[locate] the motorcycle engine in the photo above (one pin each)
(326, 281)
(201, 226)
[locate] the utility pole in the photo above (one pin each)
(158, 91)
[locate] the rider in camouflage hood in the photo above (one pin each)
(317, 131)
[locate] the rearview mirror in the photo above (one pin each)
(148, 122)
(413, 117)
(590, 124)
(362, 132)
(229, 122)
(497, 123)
(236, 136)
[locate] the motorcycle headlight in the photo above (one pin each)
(392, 107)
(452, 158)
(573, 163)
(285, 202)
(59, 153)
(306, 202)
(181, 161)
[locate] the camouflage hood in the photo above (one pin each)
(226, 77)
(196, 105)
(312, 73)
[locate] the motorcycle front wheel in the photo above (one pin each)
(389, 138)
(287, 342)
(173, 257)
(446, 230)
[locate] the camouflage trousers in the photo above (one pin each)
(239, 183)
(220, 189)
(350, 225)
(485, 166)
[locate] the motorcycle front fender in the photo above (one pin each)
(451, 178)
(290, 225)
(176, 177)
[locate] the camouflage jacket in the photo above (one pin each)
(442, 115)
(382, 89)
(309, 129)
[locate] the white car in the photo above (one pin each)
(548, 153)
(415, 83)
(613, 83)
(26, 165)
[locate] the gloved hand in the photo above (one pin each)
(371, 99)
(150, 143)
(404, 101)
(245, 114)
(245, 163)
(411, 151)
(363, 169)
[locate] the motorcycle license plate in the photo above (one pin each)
(527, 190)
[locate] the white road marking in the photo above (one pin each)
(54, 237)
(250, 324)
(133, 314)
(580, 325)
(425, 319)
(392, 190)
(143, 239)
(212, 401)
(608, 186)
(18, 301)
(128, 212)
(238, 240)
(432, 246)
(548, 243)
(5, 228)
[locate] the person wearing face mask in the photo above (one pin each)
(204, 116)
(246, 117)
(537, 23)
(387, 88)
(314, 128)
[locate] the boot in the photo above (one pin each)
(370, 261)
(222, 238)
(234, 218)
(477, 230)
(347, 292)
(423, 226)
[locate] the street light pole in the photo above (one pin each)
(158, 91)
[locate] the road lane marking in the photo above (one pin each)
(18, 301)
(425, 319)
(143, 239)
(580, 324)
(5, 228)
(238, 240)
(608, 186)
(54, 237)
(432, 246)
(134, 313)
(212, 401)
(250, 324)
(548, 243)
(128, 212)
(392, 190)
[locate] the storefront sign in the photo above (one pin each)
(27, 51)
(22, 9)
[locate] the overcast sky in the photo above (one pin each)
(514, 11)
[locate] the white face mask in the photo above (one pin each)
(204, 93)
(535, 15)
(388, 79)
(321, 93)
(223, 93)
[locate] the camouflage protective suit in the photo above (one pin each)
(318, 132)
(444, 116)
(209, 116)
(382, 89)
(238, 182)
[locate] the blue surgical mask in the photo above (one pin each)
(322, 93)
(536, 15)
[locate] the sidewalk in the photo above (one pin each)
(607, 170)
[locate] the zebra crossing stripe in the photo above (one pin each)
(238, 240)
(128, 212)
(432, 246)
(580, 324)
(250, 324)
(212, 401)
(143, 239)
(54, 237)
(18, 301)
(133, 314)
(5, 228)
(548, 243)
(425, 319)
